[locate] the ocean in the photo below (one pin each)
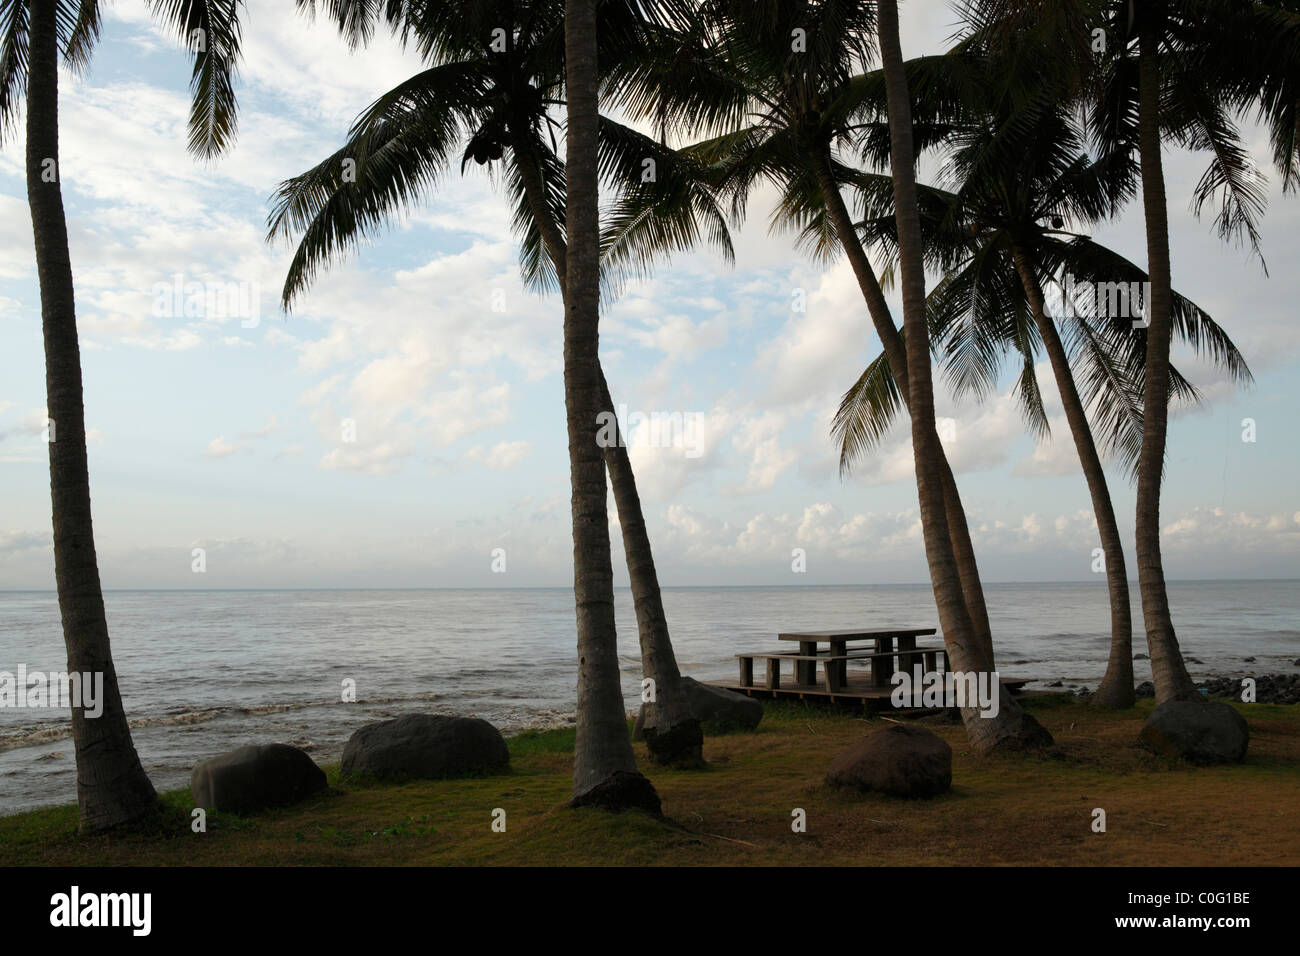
(203, 672)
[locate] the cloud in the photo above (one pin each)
(15, 541)
(220, 448)
(759, 438)
(501, 456)
(381, 458)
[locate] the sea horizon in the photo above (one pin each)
(625, 587)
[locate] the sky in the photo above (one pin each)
(404, 425)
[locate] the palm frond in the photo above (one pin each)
(210, 30)
(866, 413)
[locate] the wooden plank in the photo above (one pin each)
(882, 662)
(805, 671)
(747, 671)
(832, 675)
(773, 673)
(855, 635)
(851, 655)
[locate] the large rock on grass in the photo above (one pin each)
(426, 746)
(902, 760)
(1204, 733)
(255, 778)
(718, 711)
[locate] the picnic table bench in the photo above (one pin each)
(838, 642)
(835, 658)
(835, 666)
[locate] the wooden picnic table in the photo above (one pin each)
(838, 642)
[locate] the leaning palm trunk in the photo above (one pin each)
(1116, 688)
(604, 766)
(112, 787)
(672, 734)
(896, 353)
(1168, 672)
(1011, 728)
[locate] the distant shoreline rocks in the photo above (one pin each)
(1269, 688)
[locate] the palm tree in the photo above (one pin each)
(1013, 729)
(780, 107)
(1177, 70)
(1020, 174)
(112, 787)
(671, 732)
(780, 112)
(494, 94)
(604, 767)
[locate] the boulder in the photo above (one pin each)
(426, 746)
(255, 778)
(718, 711)
(1204, 733)
(901, 759)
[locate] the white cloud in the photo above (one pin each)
(501, 456)
(220, 448)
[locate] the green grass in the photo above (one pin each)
(737, 810)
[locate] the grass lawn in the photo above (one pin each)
(1026, 810)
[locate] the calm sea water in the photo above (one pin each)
(203, 672)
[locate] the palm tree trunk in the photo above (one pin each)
(1011, 728)
(1116, 688)
(604, 766)
(1168, 672)
(671, 732)
(896, 353)
(112, 787)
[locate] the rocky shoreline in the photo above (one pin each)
(1269, 688)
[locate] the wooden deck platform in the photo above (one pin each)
(858, 690)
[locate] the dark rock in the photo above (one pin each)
(1195, 660)
(1203, 733)
(1141, 657)
(950, 715)
(255, 777)
(901, 759)
(681, 745)
(1056, 683)
(426, 746)
(1145, 689)
(1248, 660)
(718, 711)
